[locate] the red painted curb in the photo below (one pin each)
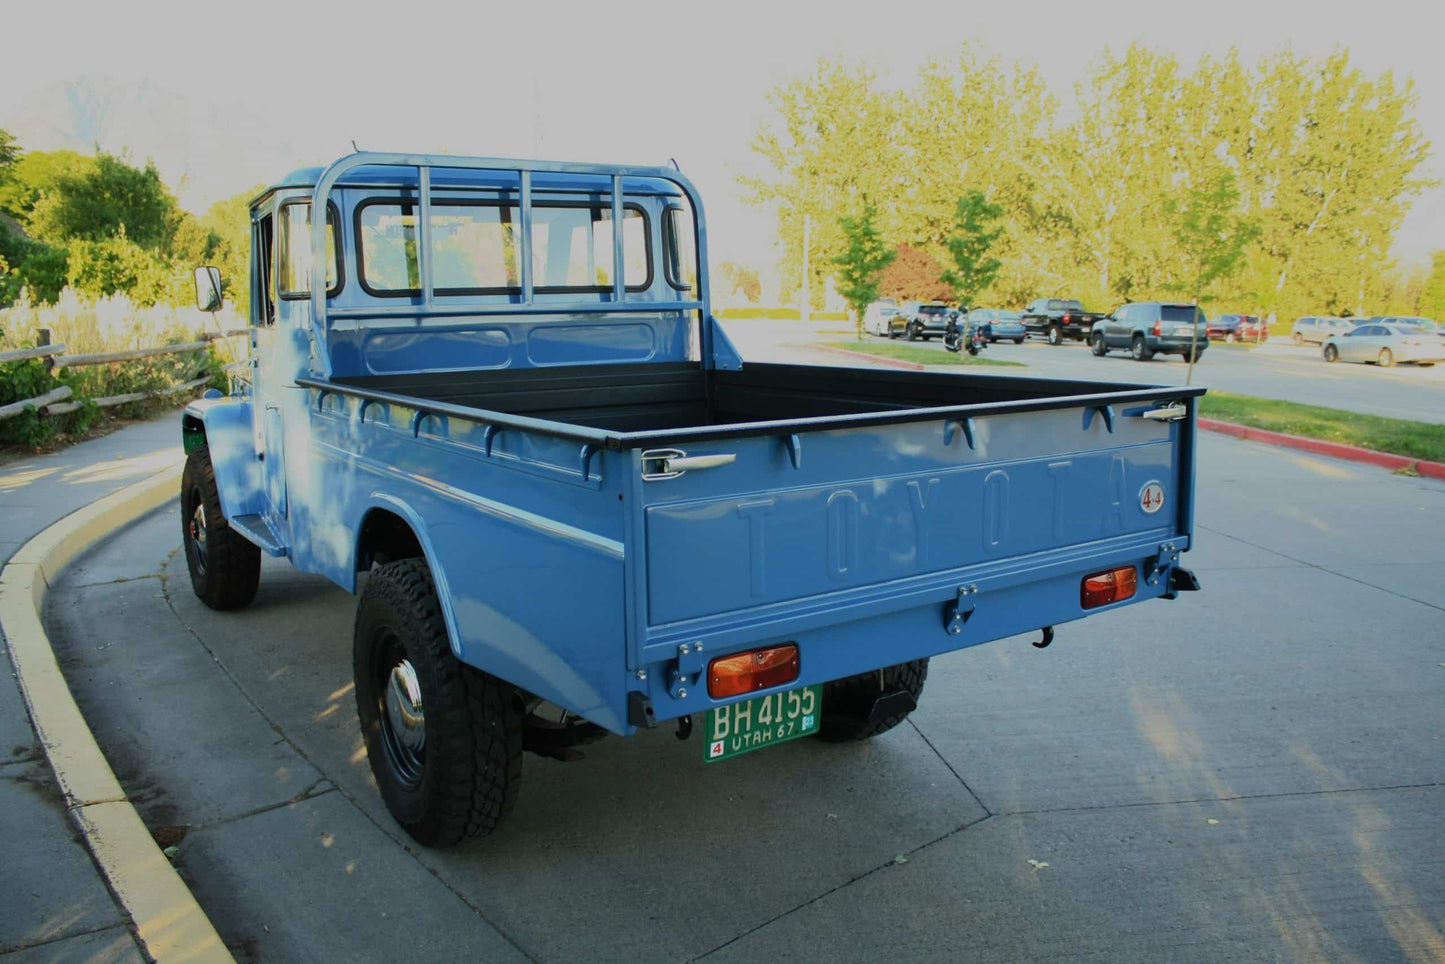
(1337, 450)
(876, 359)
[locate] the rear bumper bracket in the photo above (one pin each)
(956, 613)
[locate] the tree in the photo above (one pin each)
(914, 275)
(9, 154)
(1211, 237)
(35, 173)
(739, 278)
(973, 233)
(96, 205)
(1432, 297)
(861, 262)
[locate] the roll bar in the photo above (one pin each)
(425, 164)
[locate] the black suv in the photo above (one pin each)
(925, 321)
(1149, 328)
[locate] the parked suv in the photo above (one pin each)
(1316, 329)
(926, 320)
(1149, 328)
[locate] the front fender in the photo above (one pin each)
(227, 424)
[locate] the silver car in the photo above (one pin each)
(1384, 345)
(1318, 329)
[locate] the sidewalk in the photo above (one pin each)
(54, 905)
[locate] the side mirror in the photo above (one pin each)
(208, 288)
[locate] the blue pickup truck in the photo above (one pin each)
(570, 509)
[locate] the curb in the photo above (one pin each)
(169, 923)
(875, 359)
(1336, 450)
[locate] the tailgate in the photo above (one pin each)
(798, 525)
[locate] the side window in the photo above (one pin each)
(293, 252)
(679, 249)
(263, 287)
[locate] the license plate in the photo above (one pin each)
(766, 721)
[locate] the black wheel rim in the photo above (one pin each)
(196, 530)
(401, 719)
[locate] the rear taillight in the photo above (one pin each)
(759, 669)
(1158, 328)
(1103, 588)
(1067, 316)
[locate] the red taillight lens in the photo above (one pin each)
(1103, 588)
(1066, 317)
(748, 672)
(1158, 328)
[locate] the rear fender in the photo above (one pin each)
(226, 424)
(412, 518)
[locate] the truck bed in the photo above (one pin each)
(637, 403)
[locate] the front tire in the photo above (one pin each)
(847, 701)
(444, 739)
(225, 568)
(1229, 338)
(1096, 344)
(1297, 338)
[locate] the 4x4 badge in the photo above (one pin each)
(1151, 497)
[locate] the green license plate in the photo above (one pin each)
(768, 720)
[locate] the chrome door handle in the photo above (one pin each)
(1169, 413)
(686, 463)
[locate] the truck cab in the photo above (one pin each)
(490, 397)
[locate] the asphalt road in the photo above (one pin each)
(1276, 370)
(1253, 772)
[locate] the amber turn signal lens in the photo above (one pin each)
(1103, 588)
(755, 670)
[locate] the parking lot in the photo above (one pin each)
(1252, 772)
(1278, 369)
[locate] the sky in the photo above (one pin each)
(630, 81)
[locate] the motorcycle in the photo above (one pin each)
(969, 338)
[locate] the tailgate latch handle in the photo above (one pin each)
(1169, 413)
(670, 463)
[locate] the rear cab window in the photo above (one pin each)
(475, 248)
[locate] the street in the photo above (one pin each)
(1255, 771)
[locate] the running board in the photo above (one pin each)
(255, 529)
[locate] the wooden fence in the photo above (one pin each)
(54, 401)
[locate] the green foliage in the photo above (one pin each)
(9, 153)
(99, 268)
(975, 229)
(861, 262)
(1210, 234)
(35, 173)
(112, 199)
(1325, 161)
(28, 378)
(1432, 296)
(914, 275)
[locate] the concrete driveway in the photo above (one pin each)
(1253, 772)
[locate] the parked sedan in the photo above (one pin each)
(1384, 345)
(999, 324)
(1232, 328)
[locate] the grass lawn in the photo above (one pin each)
(923, 356)
(1416, 440)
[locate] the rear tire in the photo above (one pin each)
(1139, 349)
(1297, 338)
(444, 739)
(915, 331)
(1229, 337)
(1332, 354)
(1018, 341)
(846, 701)
(1386, 358)
(1056, 335)
(1096, 344)
(225, 568)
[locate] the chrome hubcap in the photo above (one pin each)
(197, 530)
(404, 710)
